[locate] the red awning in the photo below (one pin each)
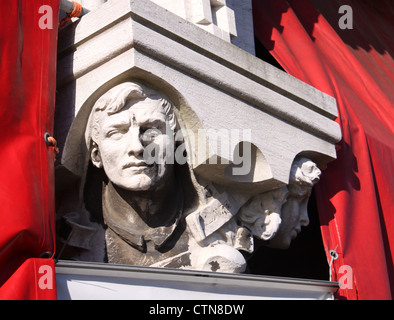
(355, 194)
(28, 42)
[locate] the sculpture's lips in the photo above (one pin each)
(294, 233)
(136, 164)
(297, 229)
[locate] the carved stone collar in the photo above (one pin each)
(124, 221)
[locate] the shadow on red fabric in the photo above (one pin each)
(352, 62)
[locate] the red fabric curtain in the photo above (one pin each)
(355, 194)
(28, 40)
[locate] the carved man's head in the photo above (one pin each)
(131, 130)
(304, 174)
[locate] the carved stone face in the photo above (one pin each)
(304, 174)
(122, 141)
(294, 216)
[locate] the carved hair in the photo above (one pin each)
(304, 175)
(116, 98)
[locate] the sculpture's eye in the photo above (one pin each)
(117, 132)
(149, 134)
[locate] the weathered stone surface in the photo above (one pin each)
(208, 78)
(242, 123)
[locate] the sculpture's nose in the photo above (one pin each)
(135, 146)
(304, 218)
